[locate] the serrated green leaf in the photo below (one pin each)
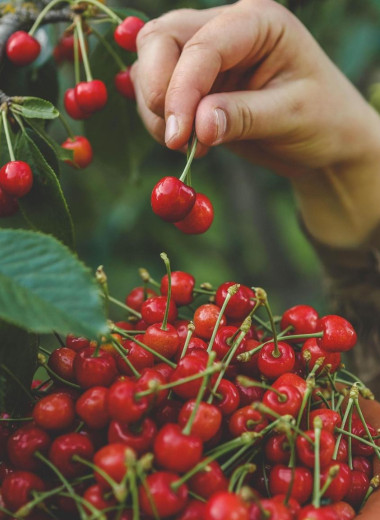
(35, 108)
(44, 207)
(18, 362)
(44, 287)
(60, 153)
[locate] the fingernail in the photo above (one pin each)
(171, 129)
(221, 123)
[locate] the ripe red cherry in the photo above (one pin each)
(246, 419)
(172, 199)
(8, 204)
(150, 378)
(330, 419)
(358, 488)
(82, 151)
(122, 403)
(207, 421)
(16, 178)
(277, 449)
(303, 319)
(61, 361)
(200, 217)
(64, 50)
(272, 366)
(239, 305)
(338, 334)
(358, 429)
(21, 48)
(291, 379)
(72, 107)
(194, 510)
(76, 343)
(158, 490)
(164, 341)
(205, 318)
(65, 447)
(305, 450)
(112, 459)
(363, 464)
(91, 96)
(340, 484)
(209, 480)
(153, 310)
(281, 477)
(188, 366)
(227, 399)
(273, 509)
(226, 505)
(95, 496)
(169, 442)
(137, 296)
(311, 512)
(54, 412)
(124, 84)
(289, 403)
(92, 407)
(126, 33)
(182, 287)
(23, 444)
(138, 436)
(343, 510)
(17, 488)
(93, 370)
(316, 352)
(137, 355)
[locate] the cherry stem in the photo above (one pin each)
(189, 159)
(86, 64)
(360, 439)
(238, 476)
(7, 135)
(333, 472)
(15, 419)
(358, 409)
(134, 492)
(187, 429)
(263, 299)
(105, 9)
(63, 480)
(120, 350)
(157, 354)
(125, 307)
(60, 340)
(51, 372)
(165, 258)
(230, 292)
(244, 329)
(42, 15)
(188, 379)
(119, 62)
(246, 382)
(76, 58)
(317, 462)
(344, 420)
(190, 332)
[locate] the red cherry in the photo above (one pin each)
(240, 304)
(343, 510)
(153, 310)
(76, 343)
(277, 449)
(194, 510)
(122, 404)
(199, 219)
(357, 428)
(289, 403)
(363, 464)
(207, 420)
(153, 378)
(169, 442)
(205, 318)
(126, 33)
(91, 370)
(164, 341)
(338, 334)
(246, 419)
(16, 178)
(54, 412)
(158, 491)
(124, 84)
(281, 477)
(273, 366)
(96, 497)
(228, 398)
(305, 449)
(18, 487)
(61, 361)
(249, 394)
(24, 443)
(273, 509)
(317, 513)
(22, 48)
(172, 199)
(182, 287)
(112, 459)
(64, 50)
(138, 436)
(330, 419)
(303, 319)
(65, 447)
(72, 107)
(91, 96)
(222, 343)
(316, 352)
(139, 357)
(92, 407)
(226, 506)
(195, 344)
(137, 296)
(209, 480)
(340, 484)
(291, 379)
(82, 151)
(8, 204)
(358, 488)
(292, 505)
(188, 366)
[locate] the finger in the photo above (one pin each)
(159, 45)
(238, 37)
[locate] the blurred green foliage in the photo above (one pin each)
(255, 238)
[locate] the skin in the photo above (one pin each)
(250, 76)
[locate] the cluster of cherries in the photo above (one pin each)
(227, 415)
(16, 180)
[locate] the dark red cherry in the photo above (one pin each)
(17, 488)
(340, 484)
(123, 405)
(24, 443)
(65, 447)
(207, 420)
(172, 199)
(301, 480)
(200, 217)
(124, 85)
(91, 370)
(246, 419)
(8, 204)
(315, 352)
(158, 495)
(288, 403)
(208, 481)
(139, 436)
(137, 296)
(22, 48)
(305, 449)
(61, 361)
(164, 341)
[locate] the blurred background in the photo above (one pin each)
(255, 238)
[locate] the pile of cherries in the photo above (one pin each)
(202, 405)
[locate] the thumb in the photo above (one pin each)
(236, 116)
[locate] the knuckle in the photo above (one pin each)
(149, 31)
(155, 100)
(245, 121)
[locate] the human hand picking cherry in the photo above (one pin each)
(226, 412)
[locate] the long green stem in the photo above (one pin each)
(7, 135)
(230, 292)
(42, 15)
(119, 62)
(317, 462)
(165, 258)
(82, 43)
(189, 160)
(125, 307)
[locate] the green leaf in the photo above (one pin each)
(60, 153)
(18, 362)
(35, 108)
(44, 287)
(44, 207)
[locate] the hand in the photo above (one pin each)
(251, 76)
